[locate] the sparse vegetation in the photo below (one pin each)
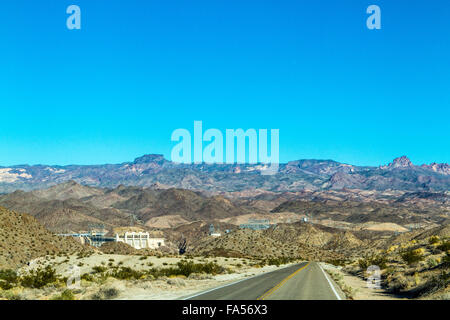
(412, 256)
(187, 268)
(105, 294)
(373, 260)
(99, 269)
(279, 261)
(434, 240)
(126, 273)
(445, 246)
(8, 279)
(39, 278)
(65, 295)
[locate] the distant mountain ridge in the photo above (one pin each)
(71, 207)
(154, 169)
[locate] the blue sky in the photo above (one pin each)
(137, 70)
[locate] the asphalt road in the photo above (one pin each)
(304, 281)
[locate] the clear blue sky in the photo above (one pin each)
(137, 70)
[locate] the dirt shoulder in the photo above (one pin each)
(354, 287)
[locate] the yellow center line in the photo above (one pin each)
(269, 292)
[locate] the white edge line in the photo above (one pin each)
(330, 283)
(229, 284)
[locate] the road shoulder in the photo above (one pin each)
(354, 287)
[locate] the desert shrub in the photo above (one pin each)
(398, 283)
(412, 256)
(105, 294)
(102, 278)
(446, 260)
(274, 262)
(99, 269)
(126, 273)
(39, 278)
(87, 277)
(8, 279)
(392, 249)
(445, 246)
(445, 276)
(389, 272)
(373, 260)
(435, 284)
(380, 261)
(434, 239)
(279, 261)
(186, 268)
(65, 295)
(364, 263)
(432, 263)
(8, 295)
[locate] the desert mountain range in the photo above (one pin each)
(72, 207)
(155, 170)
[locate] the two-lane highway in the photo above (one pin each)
(304, 281)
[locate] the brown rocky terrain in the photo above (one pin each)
(119, 207)
(313, 242)
(412, 265)
(406, 210)
(76, 208)
(23, 238)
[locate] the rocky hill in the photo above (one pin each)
(413, 265)
(23, 238)
(185, 203)
(62, 215)
(313, 242)
(404, 210)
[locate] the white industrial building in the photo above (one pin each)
(215, 234)
(140, 240)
